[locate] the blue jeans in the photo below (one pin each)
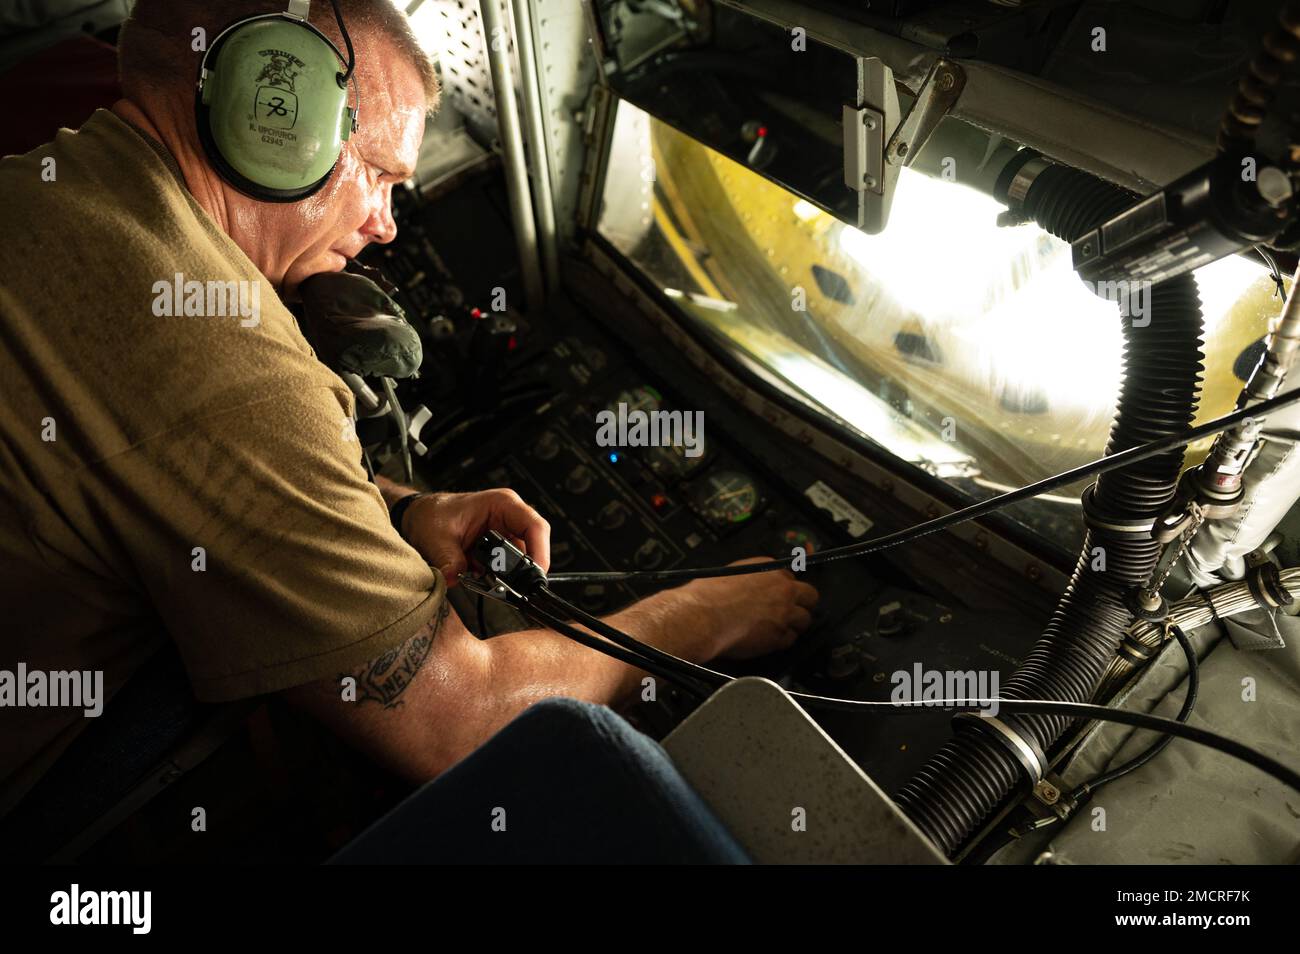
(566, 782)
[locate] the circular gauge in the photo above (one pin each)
(724, 497)
(644, 398)
(799, 537)
(671, 462)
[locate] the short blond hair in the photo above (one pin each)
(154, 46)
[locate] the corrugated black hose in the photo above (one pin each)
(975, 772)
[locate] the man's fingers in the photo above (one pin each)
(504, 510)
(521, 521)
(799, 618)
(452, 567)
(806, 595)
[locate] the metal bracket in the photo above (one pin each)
(939, 92)
(491, 588)
(415, 424)
(1049, 802)
(877, 145)
(866, 124)
(1192, 502)
(864, 149)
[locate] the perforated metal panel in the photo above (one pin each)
(567, 71)
(467, 85)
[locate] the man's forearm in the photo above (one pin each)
(552, 664)
(427, 704)
(522, 668)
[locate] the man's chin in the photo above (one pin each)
(325, 262)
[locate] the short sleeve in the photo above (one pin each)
(259, 541)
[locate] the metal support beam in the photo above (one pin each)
(495, 33)
(529, 83)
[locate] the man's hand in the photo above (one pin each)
(756, 614)
(443, 527)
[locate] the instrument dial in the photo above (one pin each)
(724, 497)
(671, 463)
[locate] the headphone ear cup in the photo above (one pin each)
(271, 114)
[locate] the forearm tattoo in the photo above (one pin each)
(383, 680)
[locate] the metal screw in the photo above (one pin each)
(869, 181)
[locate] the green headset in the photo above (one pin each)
(272, 105)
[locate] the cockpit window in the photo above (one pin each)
(968, 350)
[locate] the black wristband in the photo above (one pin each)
(398, 510)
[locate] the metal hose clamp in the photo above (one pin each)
(1024, 179)
(1096, 520)
(1023, 750)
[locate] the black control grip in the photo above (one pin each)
(502, 559)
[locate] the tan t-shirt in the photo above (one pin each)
(182, 477)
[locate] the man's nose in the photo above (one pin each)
(380, 226)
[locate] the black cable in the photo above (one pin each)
(1193, 687)
(537, 614)
(671, 667)
(1275, 273)
(990, 846)
(347, 42)
(983, 508)
(462, 426)
(674, 664)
